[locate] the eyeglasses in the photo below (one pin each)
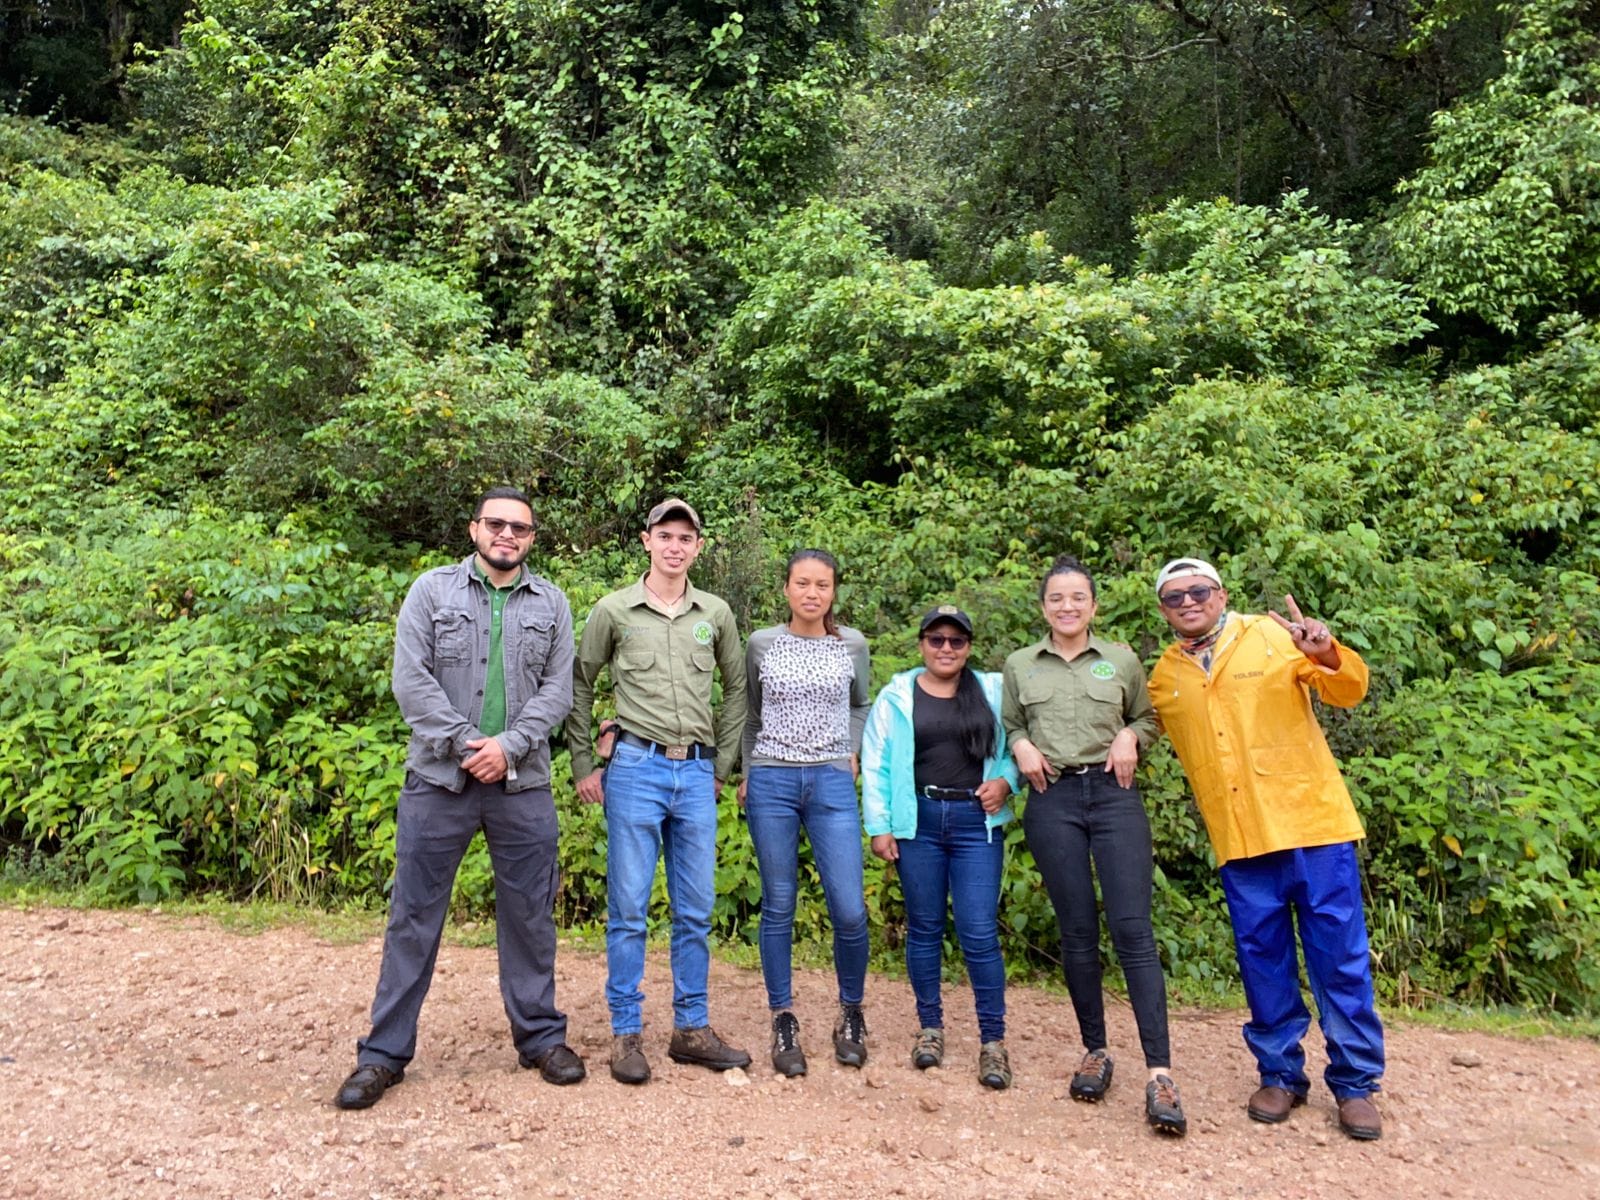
(1199, 595)
(940, 640)
(495, 526)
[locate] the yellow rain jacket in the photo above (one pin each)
(1249, 741)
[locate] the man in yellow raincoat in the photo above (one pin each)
(1234, 694)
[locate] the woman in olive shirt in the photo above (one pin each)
(1076, 714)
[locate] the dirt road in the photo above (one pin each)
(150, 1055)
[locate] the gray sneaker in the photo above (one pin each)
(928, 1050)
(628, 1063)
(994, 1066)
(787, 1057)
(850, 1036)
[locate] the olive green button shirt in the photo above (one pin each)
(1073, 710)
(661, 673)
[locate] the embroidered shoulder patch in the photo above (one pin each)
(702, 632)
(1103, 670)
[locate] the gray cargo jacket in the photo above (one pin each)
(441, 659)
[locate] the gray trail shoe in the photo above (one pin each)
(1092, 1078)
(1162, 1108)
(994, 1066)
(850, 1036)
(787, 1057)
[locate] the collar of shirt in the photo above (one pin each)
(635, 596)
(1045, 646)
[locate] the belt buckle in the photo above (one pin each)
(676, 753)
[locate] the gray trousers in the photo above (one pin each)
(433, 828)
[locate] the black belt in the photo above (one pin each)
(939, 793)
(676, 753)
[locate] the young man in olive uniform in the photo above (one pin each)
(662, 641)
(483, 674)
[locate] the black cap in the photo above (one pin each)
(946, 612)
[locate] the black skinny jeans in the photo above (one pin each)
(1080, 815)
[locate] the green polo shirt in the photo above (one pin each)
(493, 718)
(1072, 710)
(661, 671)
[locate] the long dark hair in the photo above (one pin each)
(829, 625)
(974, 717)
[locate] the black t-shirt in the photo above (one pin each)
(941, 751)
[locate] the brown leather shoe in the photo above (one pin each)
(628, 1063)
(703, 1048)
(1359, 1117)
(1271, 1105)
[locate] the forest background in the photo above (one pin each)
(948, 288)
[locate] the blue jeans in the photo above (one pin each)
(1320, 889)
(656, 804)
(778, 801)
(952, 862)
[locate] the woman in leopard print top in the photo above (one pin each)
(809, 691)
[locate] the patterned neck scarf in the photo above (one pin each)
(1203, 648)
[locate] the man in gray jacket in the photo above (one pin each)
(483, 672)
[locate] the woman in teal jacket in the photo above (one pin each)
(936, 778)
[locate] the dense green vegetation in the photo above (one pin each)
(946, 288)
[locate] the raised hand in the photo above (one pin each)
(1310, 636)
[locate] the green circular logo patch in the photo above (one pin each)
(702, 633)
(1102, 670)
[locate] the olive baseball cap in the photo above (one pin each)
(668, 509)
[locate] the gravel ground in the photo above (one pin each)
(144, 1054)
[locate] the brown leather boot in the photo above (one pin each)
(1271, 1105)
(628, 1063)
(703, 1048)
(1359, 1117)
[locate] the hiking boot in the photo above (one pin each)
(628, 1063)
(1092, 1078)
(994, 1066)
(928, 1050)
(787, 1057)
(1270, 1105)
(557, 1064)
(1358, 1117)
(1162, 1108)
(703, 1048)
(850, 1036)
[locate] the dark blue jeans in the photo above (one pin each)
(1318, 889)
(952, 864)
(432, 830)
(778, 802)
(1086, 815)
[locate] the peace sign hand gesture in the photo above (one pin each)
(1310, 636)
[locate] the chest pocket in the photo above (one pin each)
(537, 632)
(1036, 691)
(703, 660)
(452, 637)
(1105, 691)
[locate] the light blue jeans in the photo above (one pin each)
(656, 804)
(778, 801)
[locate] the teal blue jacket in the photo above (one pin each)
(888, 752)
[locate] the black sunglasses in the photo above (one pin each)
(939, 641)
(496, 527)
(1199, 594)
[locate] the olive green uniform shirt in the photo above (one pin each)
(661, 673)
(1073, 710)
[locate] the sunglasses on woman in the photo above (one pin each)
(940, 640)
